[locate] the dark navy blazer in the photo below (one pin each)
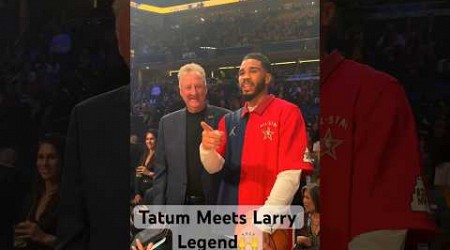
(170, 161)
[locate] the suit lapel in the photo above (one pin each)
(181, 131)
(210, 116)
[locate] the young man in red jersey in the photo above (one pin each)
(372, 192)
(260, 149)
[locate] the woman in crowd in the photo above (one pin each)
(309, 235)
(38, 231)
(144, 173)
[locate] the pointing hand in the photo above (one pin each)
(211, 139)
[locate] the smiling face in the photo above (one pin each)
(308, 202)
(193, 91)
(48, 162)
(253, 80)
(150, 141)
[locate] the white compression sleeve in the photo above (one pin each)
(211, 160)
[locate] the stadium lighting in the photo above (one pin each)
(277, 63)
(274, 64)
(230, 67)
(284, 63)
(180, 7)
(309, 61)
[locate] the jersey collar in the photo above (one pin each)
(261, 106)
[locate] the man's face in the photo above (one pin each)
(253, 79)
(193, 91)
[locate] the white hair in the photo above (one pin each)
(192, 67)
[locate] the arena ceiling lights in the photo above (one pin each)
(278, 63)
(171, 72)
(180, 7)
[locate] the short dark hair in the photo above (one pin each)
(265, 62)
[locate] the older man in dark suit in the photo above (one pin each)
(180, 178)
(94, 207)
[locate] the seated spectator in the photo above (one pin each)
(144, 173)
(309, 234)
(38, 231)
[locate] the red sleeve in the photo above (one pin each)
(293, 154)
(222, 127)
(388, 191)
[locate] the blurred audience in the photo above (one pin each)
(252, 24)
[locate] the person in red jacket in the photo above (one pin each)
(372, 191)
(259, 149)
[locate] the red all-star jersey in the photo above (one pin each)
(258, 146)
(370, 162)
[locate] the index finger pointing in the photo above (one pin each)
(205, 126)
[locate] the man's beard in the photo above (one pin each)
(260, 86)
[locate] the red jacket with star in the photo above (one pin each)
(258, 146)
(370, 162)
